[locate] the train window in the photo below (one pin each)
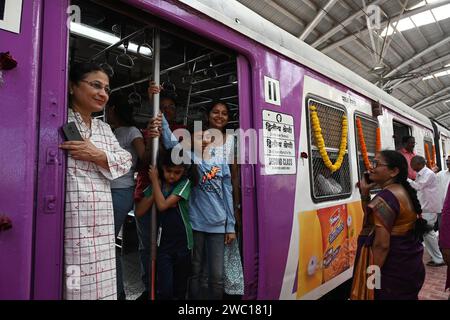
(328, 185)
(400, 130)
(2, 9)
(369, 128)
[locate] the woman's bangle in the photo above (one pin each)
(365, 198)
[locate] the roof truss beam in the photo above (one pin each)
(343, 24)
(322, 13)
(396, 83)
(417, 56)
(440, 99)
(433, 96)
(363, 32)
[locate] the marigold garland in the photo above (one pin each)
(427, 155)
(433, 157)
(320, 143)
(362, 143)
(378, 140)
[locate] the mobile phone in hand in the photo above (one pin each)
(71, 132)
(366, 178)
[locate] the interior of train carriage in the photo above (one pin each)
(195, 72)
(400, 130)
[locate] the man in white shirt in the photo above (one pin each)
(427, 188)
(443, 180)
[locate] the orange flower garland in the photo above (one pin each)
(378, 140)
(433, 157)
(362, 144)
(427, 155)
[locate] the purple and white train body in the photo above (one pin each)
(298, 236)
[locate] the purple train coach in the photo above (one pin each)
(299, 227)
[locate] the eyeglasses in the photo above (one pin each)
(98, 86)
(376, 164)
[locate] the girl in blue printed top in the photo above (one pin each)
(211, 214)
(175, 239)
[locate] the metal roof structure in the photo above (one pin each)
(410, 59)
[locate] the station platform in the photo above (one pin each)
(433, 288)
(132, 275)
(435, 277)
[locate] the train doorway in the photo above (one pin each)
(400, 130)
(192, 72)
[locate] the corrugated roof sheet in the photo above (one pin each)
(357, 54)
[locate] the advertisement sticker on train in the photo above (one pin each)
(279, 143)
(10, 15)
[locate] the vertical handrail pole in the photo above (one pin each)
(154, 154)
(189, 95)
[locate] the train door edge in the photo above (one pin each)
(49, 210)
(437, 139)
(249, 210)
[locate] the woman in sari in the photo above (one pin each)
(444, 237)
(388, 263)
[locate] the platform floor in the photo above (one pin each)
(433, 288)
(132, 276)
(435, 277)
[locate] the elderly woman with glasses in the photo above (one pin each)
(388, 264)
(89, 242)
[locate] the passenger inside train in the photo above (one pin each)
(198, 81)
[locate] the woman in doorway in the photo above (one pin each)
(218, 115)
(388, 246)
(224, 150)
(89, 242)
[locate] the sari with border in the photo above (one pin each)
(444, 236)
(403, 272)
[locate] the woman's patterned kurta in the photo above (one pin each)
(89, 242)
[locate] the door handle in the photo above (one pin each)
(249, 178)
(5, 223)
(53, 167)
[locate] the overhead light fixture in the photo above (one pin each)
(106, 38)
(378, 69)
